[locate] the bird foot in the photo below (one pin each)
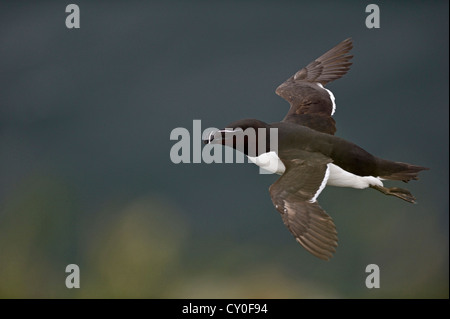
(397, 192)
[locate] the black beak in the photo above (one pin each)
(210, 137)
(223, 135)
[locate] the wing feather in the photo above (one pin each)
(311, 104)
(292, 193)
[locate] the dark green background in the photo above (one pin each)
(86, 177)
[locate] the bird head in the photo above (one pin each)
(241, 135)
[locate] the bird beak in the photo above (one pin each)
(220, 136)
(212, 137)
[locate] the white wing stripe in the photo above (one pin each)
(322, 186)
(332, 98)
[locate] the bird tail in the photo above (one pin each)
(398, 171)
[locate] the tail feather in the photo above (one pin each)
(398, 171)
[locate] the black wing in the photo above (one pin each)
(311, 104)
(294, 195)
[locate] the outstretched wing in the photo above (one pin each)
(295, 194)
(311, 104)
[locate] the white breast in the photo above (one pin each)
(269, 163)
(342, 178)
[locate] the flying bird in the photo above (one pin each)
(309, 156)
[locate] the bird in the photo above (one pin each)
(309, 156)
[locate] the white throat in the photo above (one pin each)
(269, 162)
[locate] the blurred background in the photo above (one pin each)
(85, 172)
